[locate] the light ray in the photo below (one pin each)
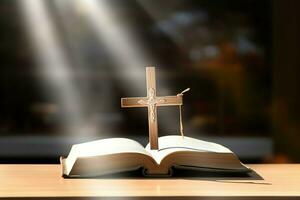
(53, 64)
(131, 56)
(121, 43)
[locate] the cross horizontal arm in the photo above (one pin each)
(169, 101)
(134, 102)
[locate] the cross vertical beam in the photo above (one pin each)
(152, 109)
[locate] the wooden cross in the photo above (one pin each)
(151, 102)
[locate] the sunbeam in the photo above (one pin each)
(53, 64)
(130, 56)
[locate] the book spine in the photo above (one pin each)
(158, 174)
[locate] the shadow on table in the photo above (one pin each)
(250, 177)
(226, 177)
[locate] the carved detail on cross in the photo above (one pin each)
(151, 102)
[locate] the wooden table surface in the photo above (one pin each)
(46, 181)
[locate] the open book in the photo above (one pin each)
(114, 155)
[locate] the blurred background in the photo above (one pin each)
(65, 64)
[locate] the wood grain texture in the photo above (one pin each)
(150, 79)
(152, 109)
(170, 101)
(132, 102)
(153, 129)
(46, 181)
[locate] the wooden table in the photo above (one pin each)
(45, 181)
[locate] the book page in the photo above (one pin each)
(174, 143)
(104, 147)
